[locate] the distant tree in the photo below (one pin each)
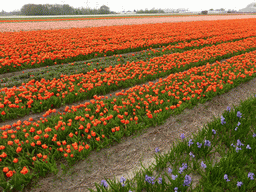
(67, 10)
(104, 9)
(150, 11)
(210, 9)
(57, 9)
(28, 9)
(204, 12)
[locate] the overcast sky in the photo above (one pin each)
(195, 5)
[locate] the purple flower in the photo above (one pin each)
(149, 179)
(152, 180)
(176, 189)
(222, 120)
(190, 142)
(233, 145)
(174, 177)
(254, 135)
(157, 150)
(226, 177)
(199, 144)
(191, 154)
(160, 180)
(239, 114)
(238, 123)
(214, 132)
(239, 143)
(181, 170)
(104, 183)
(236, 128)
(182, 136)
(184, 166)
(203, 165)
(250, 175)
(237, 149)
(207, 143)
(239, 184)
(228, 109)
(187, 180)
(248, 147)
(169, 170)
(122, 179)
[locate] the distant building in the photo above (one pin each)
(127, 12)
(250, 8)
(216, 12)
(180, 10)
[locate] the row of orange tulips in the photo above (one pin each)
(30, 49)
(40, 96)
(35, 146)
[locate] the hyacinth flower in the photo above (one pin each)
(104, 183)
(250, 175)
(239, 114)
(122, 180)
(222, 120)
(226, 177)
(182, 136)
(184, 166)
(187, 180)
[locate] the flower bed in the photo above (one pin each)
(36, 146)
(43, 95)
(31, 49)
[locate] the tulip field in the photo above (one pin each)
(156, 70)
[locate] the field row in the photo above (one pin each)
(79, 67)
(32, 49)
(40, 96)
(35, 147)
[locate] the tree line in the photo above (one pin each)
(150, 11)
(65, 9)
(57, 9)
